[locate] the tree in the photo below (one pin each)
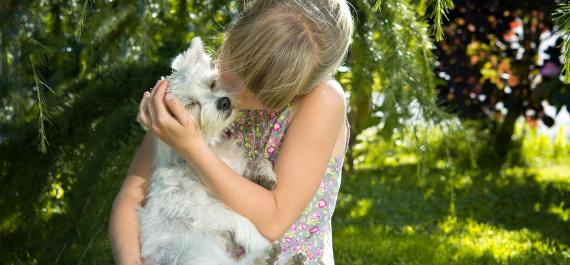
(501, 61)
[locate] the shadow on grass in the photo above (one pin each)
(515, 199)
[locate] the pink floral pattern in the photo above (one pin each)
(261, 132)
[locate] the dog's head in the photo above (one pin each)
(195, 82)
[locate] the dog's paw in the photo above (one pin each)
(274, 252)
(261, 172)
(265, 182)
(269, 256)
(298, 259)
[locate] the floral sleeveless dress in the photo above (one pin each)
(262, 132)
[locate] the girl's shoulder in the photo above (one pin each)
(326, 96)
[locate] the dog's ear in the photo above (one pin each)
(195, 54)
(198, 54)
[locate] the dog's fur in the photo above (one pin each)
(180, 222)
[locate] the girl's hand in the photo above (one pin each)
(165, 116)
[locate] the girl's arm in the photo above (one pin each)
(123, 225)
(300, 166)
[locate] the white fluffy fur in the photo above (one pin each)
(181, 222)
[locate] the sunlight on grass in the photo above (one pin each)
(540, 150)
(470, 238)
(560, 211)
(557, 174)
(362, 208)
(453, 242)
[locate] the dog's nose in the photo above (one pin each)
(224, 103)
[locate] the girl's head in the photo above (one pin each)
(279, 49)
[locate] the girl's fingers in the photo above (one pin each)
(158, 100)
(143, 112)
(177, 109)
(153, 90)
(150, 103)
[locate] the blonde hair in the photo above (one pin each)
(283, 48)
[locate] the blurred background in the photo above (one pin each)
(459, 149)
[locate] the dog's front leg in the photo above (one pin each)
(297, 259)
(269, 256)
(261, 172)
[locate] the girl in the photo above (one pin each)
(278, 57)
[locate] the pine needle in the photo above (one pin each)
(440, 9)
(561, 18)
(81, 22)
(378, 6)
(40, 106)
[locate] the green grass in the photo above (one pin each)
(516, 211)
(519, 215)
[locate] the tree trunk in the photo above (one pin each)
(504, 134)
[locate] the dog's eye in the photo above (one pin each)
(213, 84)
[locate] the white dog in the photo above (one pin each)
(180, 221)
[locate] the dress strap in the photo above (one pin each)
(347, 134)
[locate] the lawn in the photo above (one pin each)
(515, 215)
